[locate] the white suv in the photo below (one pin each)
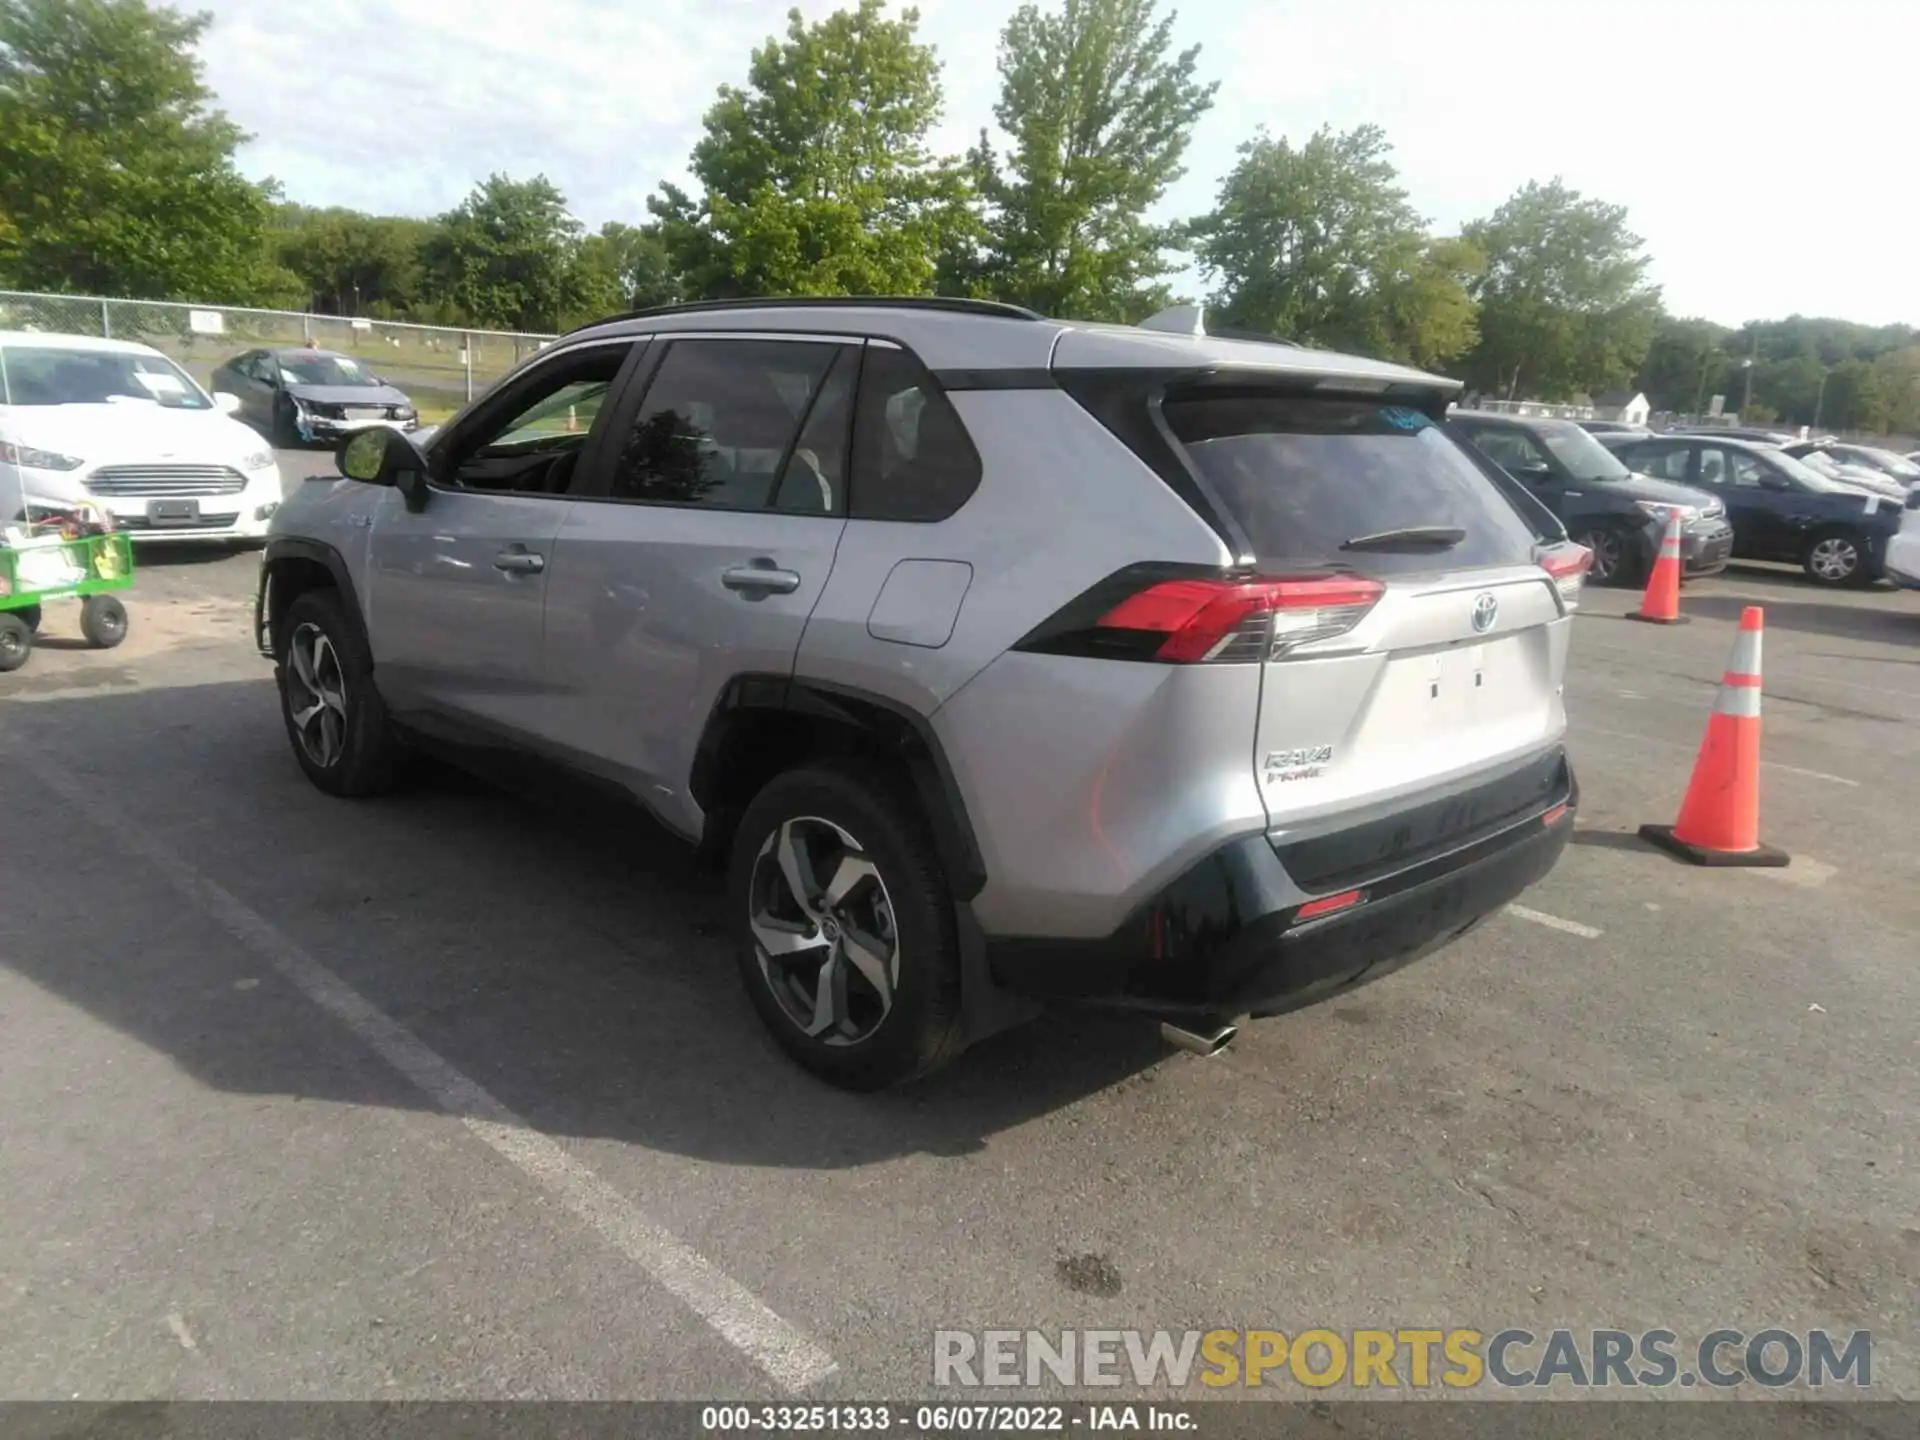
(122, 427)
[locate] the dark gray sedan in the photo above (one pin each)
(309, 395)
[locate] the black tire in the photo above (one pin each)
(103, 620)
(16, 641)
(1618, 558)
(922, 1029)
(1824, 557)
(30, 616)
(356, 752)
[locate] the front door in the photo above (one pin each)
(699, 552)
(458, 590)
(257, 391)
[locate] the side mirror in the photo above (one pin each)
(1534, 471)
(380, 456)
(226, 402)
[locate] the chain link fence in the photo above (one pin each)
(439, 368)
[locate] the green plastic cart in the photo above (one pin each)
(41, 568)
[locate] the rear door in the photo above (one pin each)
(1426, 642)
(699, 550)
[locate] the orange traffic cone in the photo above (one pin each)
(1661, 604)
(1719, 820)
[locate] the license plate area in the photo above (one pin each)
(173, 512)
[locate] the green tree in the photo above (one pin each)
(629, 266)
(507, 258)
(1853, 398)
(1318, 244)
(116, 178)
(1565, 305)
(353, 264)
(817, 176)
(1686, 365)
(1100, 110)
(1430, 318)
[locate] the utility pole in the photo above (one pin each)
(1820, 398)
(1753, 354)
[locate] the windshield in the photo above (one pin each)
(322, 369)
(1891, 463)
(32, 375)
(1584, 457)
(1805, 472)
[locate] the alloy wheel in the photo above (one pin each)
(317, 696)
(1834, 558)
(823, 931)
(1608, 554)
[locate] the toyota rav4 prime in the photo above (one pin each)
(1002, 660)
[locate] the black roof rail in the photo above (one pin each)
(951, 304)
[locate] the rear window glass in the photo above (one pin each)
(1303, 475)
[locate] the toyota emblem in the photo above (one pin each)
(1485, 610)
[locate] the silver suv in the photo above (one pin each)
(1003, 660)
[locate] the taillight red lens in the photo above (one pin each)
(1208, 619)
(1567, 565)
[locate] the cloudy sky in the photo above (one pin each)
(1764, 148)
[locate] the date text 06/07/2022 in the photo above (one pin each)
(946, 1419)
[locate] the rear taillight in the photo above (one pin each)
(1567, 565)
(1194, 620)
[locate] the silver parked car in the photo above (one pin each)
(1002, 659)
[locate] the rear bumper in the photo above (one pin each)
(1226, 939)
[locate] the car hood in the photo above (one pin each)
(1873, 482)
(1644, 487)
(349, 394)
(131, 433)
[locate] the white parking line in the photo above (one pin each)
(1554, 922)
(1811, 774)
(776, 1346)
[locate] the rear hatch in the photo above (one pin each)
(1411, 623)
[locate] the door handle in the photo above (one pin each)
(762, 577)
(518, 561)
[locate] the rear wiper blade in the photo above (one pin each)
(1411, 537)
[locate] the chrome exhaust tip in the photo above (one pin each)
(1199, 1042)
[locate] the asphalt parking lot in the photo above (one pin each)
(457, 1095)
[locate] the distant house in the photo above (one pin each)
(1629, 407)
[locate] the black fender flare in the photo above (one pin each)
(896, 726)
(282, 548)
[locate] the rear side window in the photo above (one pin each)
(1305, 476)
(912, 459)
(720, 422)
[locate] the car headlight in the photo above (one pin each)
(1660, 511)
(405, 412)
(258, 460)
(29, 458)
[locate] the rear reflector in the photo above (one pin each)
(1568, 565)
(1553, 816)
(1207, 619)
(1327, 904)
